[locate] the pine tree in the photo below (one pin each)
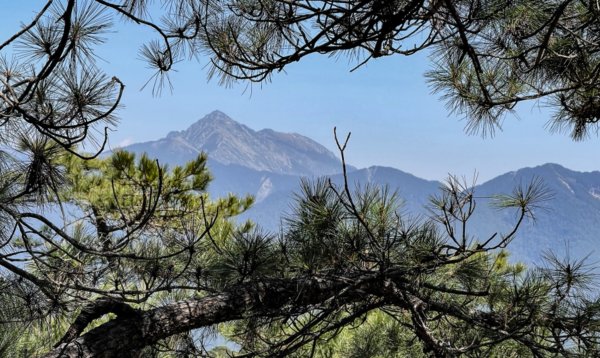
(122, 256)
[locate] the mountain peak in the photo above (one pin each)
(229, 142)
(217, 113)
(214, 125)
(216, 120)
(546, 169)
(552, 166)
(216, 117)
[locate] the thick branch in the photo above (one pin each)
(123, 337)
(94, 311)
(130, 333)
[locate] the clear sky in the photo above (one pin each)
(387, 105)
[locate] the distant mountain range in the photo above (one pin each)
(269, 165)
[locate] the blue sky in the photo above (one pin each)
(387, 105)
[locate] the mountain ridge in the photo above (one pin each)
(571, 219)
(229, 142)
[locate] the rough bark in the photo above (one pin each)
(123, 337)
(135, 329)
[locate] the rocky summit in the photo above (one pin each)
(231, 143)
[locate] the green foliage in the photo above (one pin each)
(378, 335)
(488, 56)
(450, 292)
(314, 229)
(10, 327)
(128, 228)
(97, 242)
(243, 256)
(132, 230)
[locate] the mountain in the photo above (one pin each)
(568, 223)
(269, 165)
(231, 143)
(412, 190)
(270, 209)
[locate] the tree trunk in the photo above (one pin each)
(123, 337)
